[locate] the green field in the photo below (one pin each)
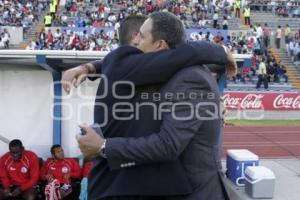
(264, 122)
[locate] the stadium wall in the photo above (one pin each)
(26, 105)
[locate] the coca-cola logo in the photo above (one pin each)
(250, 101)
(231, 102)
(286, 102)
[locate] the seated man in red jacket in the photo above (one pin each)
(59, 170)
(19, 170)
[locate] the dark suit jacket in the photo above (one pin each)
(128, 63)
(193, 140)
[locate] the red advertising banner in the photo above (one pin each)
(262, 101)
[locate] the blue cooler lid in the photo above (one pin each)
(242, 154)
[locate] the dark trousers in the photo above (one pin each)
(286, 39)
(286, 78)
(262, 78)
(53, 15)
(237, 12)
(215, 23)
(247, 20)
(266, 41)
(277, 43)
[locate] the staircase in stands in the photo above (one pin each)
(292, 70)
(30, 34)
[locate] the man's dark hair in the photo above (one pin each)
(166, 26)
(129, 26)
(54, 147)
(15, 143)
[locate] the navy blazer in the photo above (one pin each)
(193, 140)
(129, 64)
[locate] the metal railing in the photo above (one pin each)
(61, 54)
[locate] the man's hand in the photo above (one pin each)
(7, 192)
(231, 66)
(90, 143)
(17, 191)
(49, 178)
(76, 76)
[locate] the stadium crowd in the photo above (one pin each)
(20, 12)
(69, 40)
(24, 175)
(194, 14)
(281, 8)
(293, 47)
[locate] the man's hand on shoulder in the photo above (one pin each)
(231, 66)
(76, 76)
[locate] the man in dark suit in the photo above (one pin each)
(142, 180)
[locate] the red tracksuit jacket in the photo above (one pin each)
(24, 173)
(86, 169)
(59, 168)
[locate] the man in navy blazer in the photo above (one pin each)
(159, 179)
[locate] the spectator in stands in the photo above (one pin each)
(114, 45)
(73, 9)
(283, 73)
(63, 19)
(237, 6)
(59, 171)
(48, 20)
(57, 35)
(32, 46)
(79, 22)
(251, 43)
(259, 33)
(297, 52)
(262, 74)
(19, 170)
(257, 48)
(266, 35)
(272, 71)
(52, 10)
(2, 45)
(247, 15)
(278, 36)
(76, 42)
(49, 38)
(290, 49)
(215, 19)
(297, 35)
(225, 23)
(287, 34)
(254, 64)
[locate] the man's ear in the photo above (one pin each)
(135, 39)
(162, 44)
